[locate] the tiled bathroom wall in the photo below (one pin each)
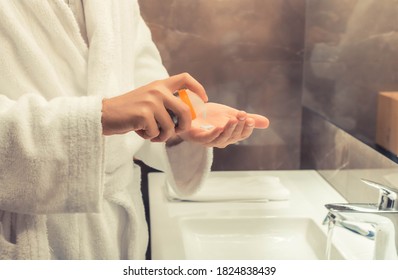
(248, 54)
(351, 55)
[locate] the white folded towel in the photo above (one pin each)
(231, 187)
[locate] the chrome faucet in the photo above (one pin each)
(378, 221)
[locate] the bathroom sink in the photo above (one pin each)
(253, 238)
(251, 230)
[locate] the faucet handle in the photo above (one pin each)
(388, 196)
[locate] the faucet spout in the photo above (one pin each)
(382, 216)
(369, 221)
(365, 229)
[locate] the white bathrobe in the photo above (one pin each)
(66, 191)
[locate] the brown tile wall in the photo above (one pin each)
(248, 54)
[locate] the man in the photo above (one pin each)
(82, 92)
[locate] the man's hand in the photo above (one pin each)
(144, 110)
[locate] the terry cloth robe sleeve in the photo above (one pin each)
(185, 164)
(50, 154)
(50, 130)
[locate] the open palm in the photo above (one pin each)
(223, 125)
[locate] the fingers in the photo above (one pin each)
(184, 80)
(159, 127)
(248, 128)
(225, 137)
(234, 131)
(259, 121)
(237, 133)
(181, 110)
(165, 126)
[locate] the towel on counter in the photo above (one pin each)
(227, 187)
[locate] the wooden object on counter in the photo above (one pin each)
(387, 121)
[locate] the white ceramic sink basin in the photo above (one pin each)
(245, 230)
(253, 238)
